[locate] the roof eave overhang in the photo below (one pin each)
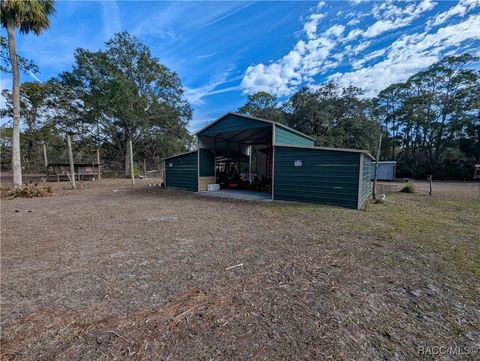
(253, 118)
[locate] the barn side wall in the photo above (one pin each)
(206, 170)
(324, 176)
(207, 163)
(181, 172)
(287, 137)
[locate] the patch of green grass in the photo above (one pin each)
(408, 188)
(426, 234)
(443, 234)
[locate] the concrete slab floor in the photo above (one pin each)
(239, 194)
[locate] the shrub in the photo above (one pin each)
(29, 190)
(408, 188)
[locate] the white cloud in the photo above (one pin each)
(298, 66)
(32, 74)
(392, 17)
(361, 47)
(305, 60)
(353, 34)
(460, 9)
(336, 31)
(310, 26)
(111, 18)
(409, 54)
(205, 56)
(366, 58)
(354, 21)
(226, 14)
(195, 95)
(326, 48)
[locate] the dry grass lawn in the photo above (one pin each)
(115, 272)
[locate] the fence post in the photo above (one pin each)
(45, 159)
(72, 166)
(98, 164)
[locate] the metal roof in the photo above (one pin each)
(366, 152)
(253, 118)
(178, 155)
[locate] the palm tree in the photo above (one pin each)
(27, 16)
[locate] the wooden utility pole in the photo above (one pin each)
(72, 166)
(430, 179)
(98, 164)
(45, 159)
(377, 158)
(130, 150)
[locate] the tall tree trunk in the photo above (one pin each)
(394, 137)
(16, 163)
(72, 165)
(127, 159)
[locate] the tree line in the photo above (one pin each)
(429, 124)
(109, 97)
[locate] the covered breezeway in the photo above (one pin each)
(237, 156)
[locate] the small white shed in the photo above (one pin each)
(386, 170)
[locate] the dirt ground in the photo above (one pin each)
(112, 271)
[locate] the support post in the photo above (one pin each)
(45, 159)
(72, 166)
(250, 164)
(98, 164)
(145, 167)
(132, 173)
(377, 158)
(430, 179)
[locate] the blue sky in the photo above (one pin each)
(223, 51)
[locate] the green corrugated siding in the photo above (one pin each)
(181, 172)
(207, 163)
(287, 137)
(328, 177)
(366, 174)
(233, 123)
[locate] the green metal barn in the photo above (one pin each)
(255, 157)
